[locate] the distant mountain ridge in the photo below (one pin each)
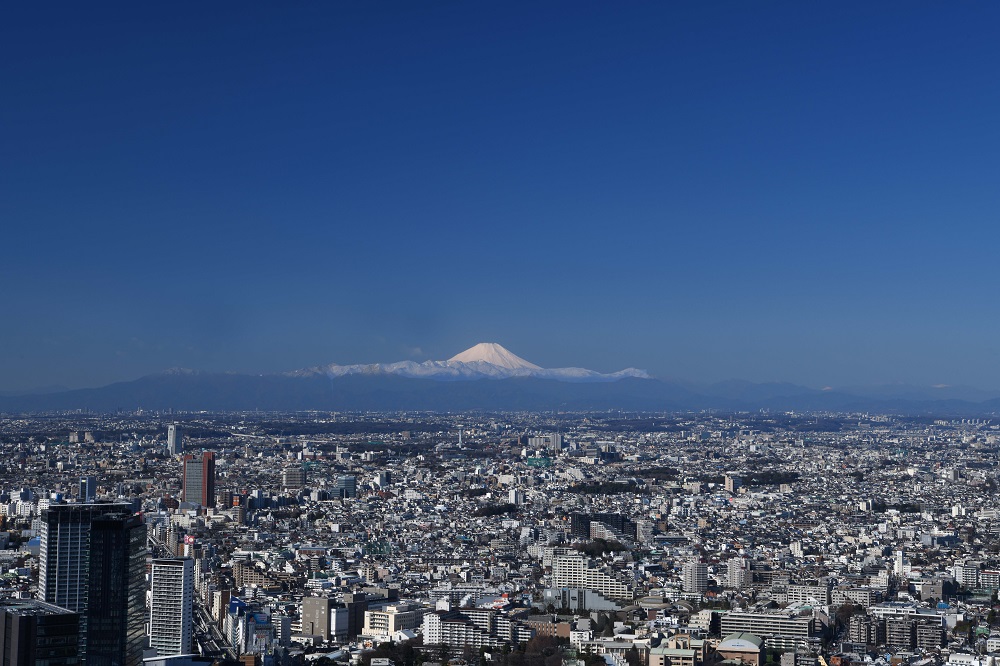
(486, 360)
(488, 377)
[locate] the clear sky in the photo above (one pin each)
(793, 191)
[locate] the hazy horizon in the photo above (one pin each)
(688, 381)
(788, 192)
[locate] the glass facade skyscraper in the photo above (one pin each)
(93, 563)
(116, 611)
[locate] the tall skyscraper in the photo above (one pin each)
(92, 562)
(199, 479)
(34, 632)
(88, 488)
(171, 609)
(116, 609)
(175, 439)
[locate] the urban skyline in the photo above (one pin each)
(499, 334)
(582, 539)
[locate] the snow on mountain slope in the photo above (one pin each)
(494, 354)
(486, 360)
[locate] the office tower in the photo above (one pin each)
(199, 479)
(356, 604)
(695, 577)
(171, 608)
(175, 439)
(88, 488)
(293, 477)
(116, 607)
(34, 632)
(92, 562)
(64, 549)
(316, 613)
(346, 486)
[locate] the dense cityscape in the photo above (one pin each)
(439, 333)
(534, 538)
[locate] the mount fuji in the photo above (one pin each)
(486, 377)
(486, 360)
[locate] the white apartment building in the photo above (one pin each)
(385, 622)
(577, 570)
(171, 608)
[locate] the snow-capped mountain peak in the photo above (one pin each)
(486, 360)
(494, 354)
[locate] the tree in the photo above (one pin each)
(633, 658)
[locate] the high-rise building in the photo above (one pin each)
(64, 551)
(199, 479)
(346, 486)
(552, 443)
(92, 562)
(739, 573)
(293, 477)
(171, 608)
(116, 607)
(175, 439)
(575, 570)
(88, 488)
(34, 632)
(695, 577)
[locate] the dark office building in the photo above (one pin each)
(357, 604)
(34, 633)
(115, 633)
(580, 524)
(199, 479)
(93, 562)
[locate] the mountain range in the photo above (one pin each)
(487, 360)
(488, 377)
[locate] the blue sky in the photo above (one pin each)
(787, 191)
